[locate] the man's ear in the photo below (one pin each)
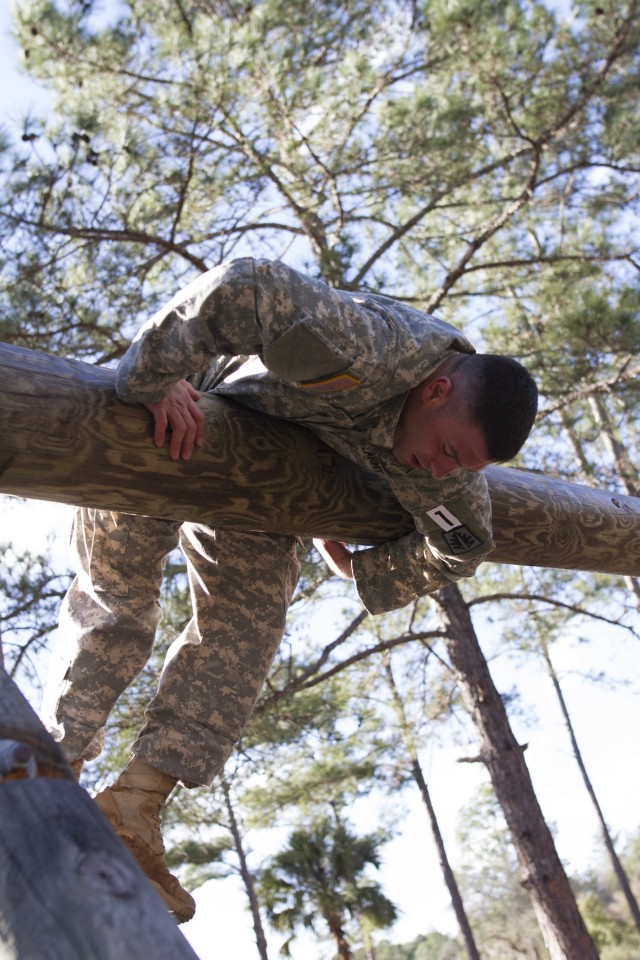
(435, 393)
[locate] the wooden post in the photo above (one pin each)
(69, 888)
(65, 436)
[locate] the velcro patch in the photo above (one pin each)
(443, 517)
(333, 384)
(461, 540)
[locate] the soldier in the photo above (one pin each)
(394, 390)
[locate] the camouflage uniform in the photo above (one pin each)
(341, 364)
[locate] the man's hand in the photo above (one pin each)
(336, 556)
(179, 411)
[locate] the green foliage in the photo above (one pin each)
(30, 594)
(431, 946)
(611, 934)
(320, 875)
(189, 851)
(361, 139)
(603, 906)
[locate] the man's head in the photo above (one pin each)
(475, 409)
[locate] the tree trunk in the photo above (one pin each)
(560, 922)
(618, 869)
(69, 889)
(626, 471)
(338, 934)
(245, 873)
(418, 776)
(627, 474)
(65, 436)
(449, 876)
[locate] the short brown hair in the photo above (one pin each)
(500, 396)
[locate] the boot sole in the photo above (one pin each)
(179, 912)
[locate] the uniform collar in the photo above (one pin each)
(388, 414)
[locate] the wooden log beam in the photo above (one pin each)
(69, 888)
(65, 436)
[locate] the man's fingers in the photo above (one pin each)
(179, 411)
(183, 435)
(160, 426)
(178, 441)
(187, 423)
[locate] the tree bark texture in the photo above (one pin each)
(544, 879)
(65, 436)
(69, 889)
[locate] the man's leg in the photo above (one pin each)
(108, 622)
(241, 587)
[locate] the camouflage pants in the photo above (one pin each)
(241, 585)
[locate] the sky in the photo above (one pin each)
(605, 719)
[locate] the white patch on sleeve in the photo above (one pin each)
(444, 518)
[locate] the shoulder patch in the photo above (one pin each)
(461, 540)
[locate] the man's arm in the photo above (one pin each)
(389, 577)
(452, 538)
(449, 544)
(214, 315)
(336, 556)
(300, 328)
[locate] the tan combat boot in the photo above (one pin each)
(132, 806)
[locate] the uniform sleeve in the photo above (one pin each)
(302, 330)
(213, 316)
(452, 540)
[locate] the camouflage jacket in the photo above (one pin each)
(341, 364)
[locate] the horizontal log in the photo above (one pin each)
(65, 436)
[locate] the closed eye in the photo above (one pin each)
(450, 452)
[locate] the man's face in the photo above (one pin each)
(431, 435)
